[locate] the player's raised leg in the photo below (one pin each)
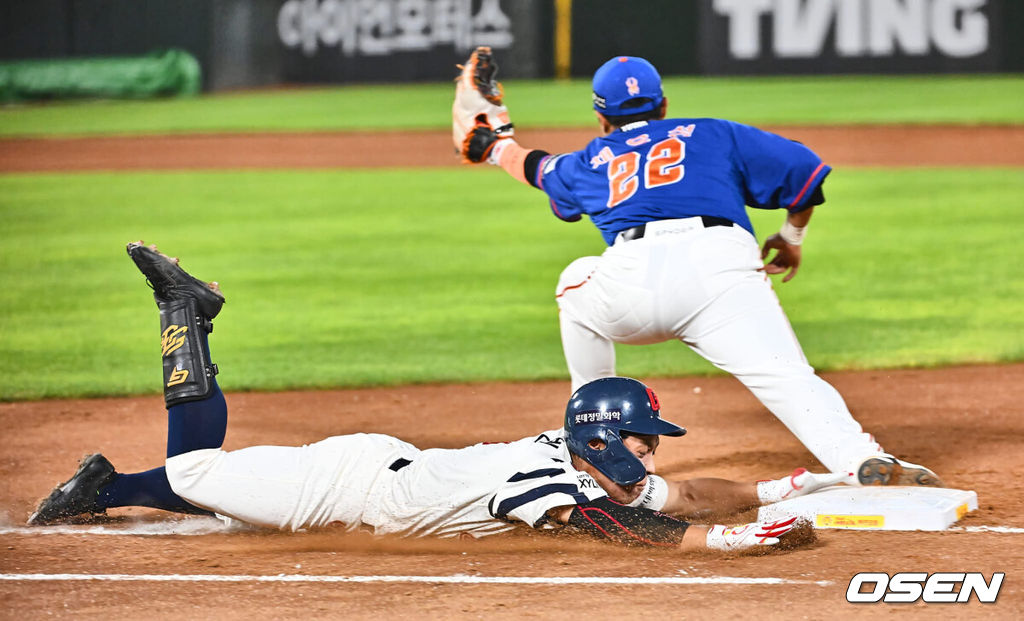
(187, 309)
(274, 486)
(197, 412)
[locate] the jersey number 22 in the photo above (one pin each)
(663, 166)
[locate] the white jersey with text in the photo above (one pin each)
(390, 486)
(482, 489)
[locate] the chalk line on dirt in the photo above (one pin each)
(209, 526)
(988, 529)
(453, 579)
(190, 526)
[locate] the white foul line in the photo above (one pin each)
(208, 526)
(455, 579)
(187, 526)
(988, 529)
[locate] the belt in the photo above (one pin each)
(637, 232)
(399, 463)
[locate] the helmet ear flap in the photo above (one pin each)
(611, 457)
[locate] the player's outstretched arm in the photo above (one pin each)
(479, 118)
(606, 519)
(481, 128)
(709, 496)
(705, 497)
(733, 538)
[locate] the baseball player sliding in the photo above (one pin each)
(682, 262)
(595, 475)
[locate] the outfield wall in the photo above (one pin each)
(245, 43)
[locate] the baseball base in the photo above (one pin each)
(877, 508)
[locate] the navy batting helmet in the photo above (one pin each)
(602, 410)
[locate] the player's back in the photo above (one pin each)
(484, 488)
(657, 170)
(680, 168)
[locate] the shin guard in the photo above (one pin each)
(188, 372)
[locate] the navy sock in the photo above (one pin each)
(197, 424)
(190, 426)
(145, 489)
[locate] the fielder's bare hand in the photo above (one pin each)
(787, 257)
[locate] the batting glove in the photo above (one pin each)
(749, 535)
(800, 483)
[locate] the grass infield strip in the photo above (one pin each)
(961, 100)
(345, 278)
(543, 580)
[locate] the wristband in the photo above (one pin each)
(655, 494)
(780, 489)
(792, 235)
(494, 158)
(775, 491)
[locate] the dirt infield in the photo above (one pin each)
(851, 146)
(966, 422)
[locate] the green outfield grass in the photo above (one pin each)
(346, 278)
(775, 100)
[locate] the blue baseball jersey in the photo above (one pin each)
(679, 168)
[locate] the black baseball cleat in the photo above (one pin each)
(77, 496)
(170, 282)
(888, 471)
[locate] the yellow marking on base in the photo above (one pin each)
(849, 521)
(961, 511)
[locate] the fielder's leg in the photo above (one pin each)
(588, 354)
(745, 332)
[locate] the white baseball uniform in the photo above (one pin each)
(669, 197)
(390, 486)
(701, 285)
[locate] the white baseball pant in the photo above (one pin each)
(702, 286)
(331, 482)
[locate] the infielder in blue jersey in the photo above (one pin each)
(595, 475)
(669, 196)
